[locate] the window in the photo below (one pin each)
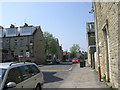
(92, 26)
(15, 42)
(27, 50)
(27, 53)
(12, 53)
(11, 31)
(14, 76)
(31, 41)
(1, 32)
(21, 42)
(7, 44)
(26, 30)
(26, 72)
(21, 53)
(34, 69)
(32, 53)
(2, 73)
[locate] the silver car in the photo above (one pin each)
(20, 75)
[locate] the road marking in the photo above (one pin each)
(70, 69)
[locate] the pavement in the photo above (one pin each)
(70, 76)
(82, 78)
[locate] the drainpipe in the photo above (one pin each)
(99, 68)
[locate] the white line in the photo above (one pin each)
(70, 69)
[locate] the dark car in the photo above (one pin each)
(58, 61)
(8, 60)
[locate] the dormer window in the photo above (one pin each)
(11, 31)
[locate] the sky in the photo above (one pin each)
(65, 20)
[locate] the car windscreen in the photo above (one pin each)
(2, 73)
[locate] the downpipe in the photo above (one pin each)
(99, 73)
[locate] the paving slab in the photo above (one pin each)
(82, 78)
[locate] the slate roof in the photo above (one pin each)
(17, 31)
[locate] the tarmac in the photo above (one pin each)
(82, 78)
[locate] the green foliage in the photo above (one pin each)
(75, 51)
(75, 48)
(95, 71)
(72, 55)
(51, 43)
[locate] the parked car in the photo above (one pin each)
(20, 75)
(57, 61)
(8, 60)
(67, 60)
(75, 60)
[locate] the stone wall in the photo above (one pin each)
(107, 19)
(39, 46)
(35, 44)
(119, 45)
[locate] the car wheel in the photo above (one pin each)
(38, 87)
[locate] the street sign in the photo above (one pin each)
(27, 54)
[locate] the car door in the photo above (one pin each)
(38, 76)
(14, 76)
(28, 80)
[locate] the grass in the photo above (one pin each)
(96, 71)
(104, 79)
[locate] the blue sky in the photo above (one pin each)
(65, 20)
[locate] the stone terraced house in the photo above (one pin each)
(23, 43)
(107, 30)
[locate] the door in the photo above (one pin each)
(14, 76)
(28, 80)
(106, 54)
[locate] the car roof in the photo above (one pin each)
(13, 64)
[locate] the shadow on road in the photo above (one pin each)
(49, 77)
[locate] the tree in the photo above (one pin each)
(51, 44)
(75, 51)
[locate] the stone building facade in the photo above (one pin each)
(107, 30)
(91, 44)
(23, 43)
(59, 54)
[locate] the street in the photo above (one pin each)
(70, 76)
(55, 75)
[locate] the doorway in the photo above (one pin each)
(106, 43)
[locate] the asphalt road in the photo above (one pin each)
(55, 75)
(68, 75)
